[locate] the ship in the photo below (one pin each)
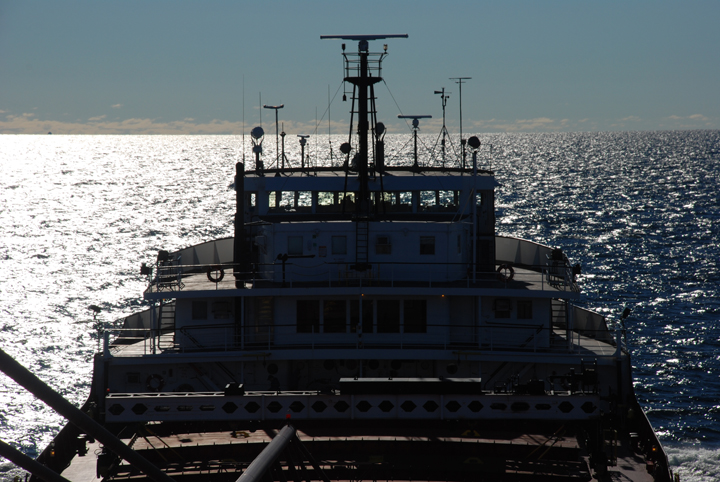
(364, 322)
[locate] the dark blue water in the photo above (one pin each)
(639, 211)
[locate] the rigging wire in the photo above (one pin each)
(431, 152)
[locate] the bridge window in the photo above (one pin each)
(308, 316)
(397, 201)
(250, 201)
(415, 316)
(284, 201)
(328, 202)
(274, 199)
(428, 200)
(427, 244)
(303, 201)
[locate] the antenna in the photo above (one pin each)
(243, 129)
(459, 81)
(444, 130)
(303, 141)
(363, 69)
(329, 133)
(277, 142)
(416, 128)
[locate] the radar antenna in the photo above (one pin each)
(363, 70)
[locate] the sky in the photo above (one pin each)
(205, 67)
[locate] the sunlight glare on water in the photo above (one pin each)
(639, 211)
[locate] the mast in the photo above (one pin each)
(459, 82)
(359, 70)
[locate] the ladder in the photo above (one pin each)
(166, 325)
(362, 229)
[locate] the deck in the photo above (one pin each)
(192, 284)
(452, 451)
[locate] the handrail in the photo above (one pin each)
(521, 253)
(470, 338)
(395, 274)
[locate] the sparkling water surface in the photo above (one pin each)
(639, 211)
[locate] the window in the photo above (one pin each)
(367, 316)
(428, 200)
(397, 201)
(308, 316)
(415, 316)
(250, 200)
(287, 199)
(334, 316)
(295, 245)
(502, 308)
(383, 245)
(347, 200)
(524, 310)
(427, 244)
(327, 202)
(339, 245)
(199, 310)
(388, 316)
(303, 199)
(221, 309)
(448, 200)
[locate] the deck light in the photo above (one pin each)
(257, 132)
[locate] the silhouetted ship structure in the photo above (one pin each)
(365, 322)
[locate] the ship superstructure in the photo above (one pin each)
(374, 309)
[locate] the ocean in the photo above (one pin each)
(640, 211)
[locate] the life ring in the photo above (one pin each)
(505, 273)
(155, 383)
(220, 275)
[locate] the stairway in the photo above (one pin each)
(166, 325)
(558, 314)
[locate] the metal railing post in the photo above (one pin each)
(74, 415)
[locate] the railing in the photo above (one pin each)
(525, 256)
(333, 275)
(461, 338)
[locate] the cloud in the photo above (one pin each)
(694, 121)
(26, 124)
(116, 106)
(538, 124)
(632, 118)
